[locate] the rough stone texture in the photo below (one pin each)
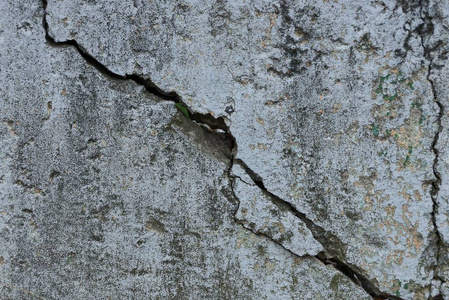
(260, 214)
(437, 48)
(331, 105)
(108, 192)
(336, 110)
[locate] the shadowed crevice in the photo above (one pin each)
(331, 243)
(331, 256)
(213, 124)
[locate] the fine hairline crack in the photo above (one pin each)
(220, 124)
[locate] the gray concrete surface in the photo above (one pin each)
(311, 162)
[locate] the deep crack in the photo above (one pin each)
(329, 257)
(212, 123)
(328, 240)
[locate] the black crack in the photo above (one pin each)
(332, 255)
(333, 246)
(424, 30)
(211, 122)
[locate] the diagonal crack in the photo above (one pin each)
(219, 125)
(334, 244)
(213, 124)
(331, 243)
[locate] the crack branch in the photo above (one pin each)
(331, 254)
(329, 257)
